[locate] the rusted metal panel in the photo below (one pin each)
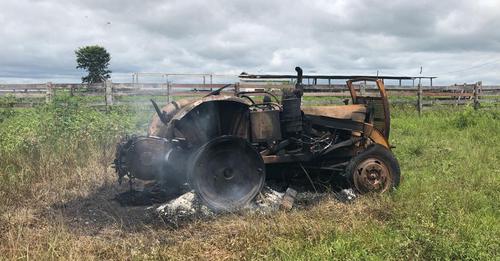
(352, 91)
(291, 116)
(385, 121)
(334, 123)
(272, 159)
(265, 125)
(385, 102)
(211, 98)
(157, 127)
(210, 117)
(356, 112)
(377, 137)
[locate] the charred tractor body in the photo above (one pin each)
(223, 146)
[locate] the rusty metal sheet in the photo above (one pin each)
(265, 125)
(356, 112)
(379, 138)
(384, 124)
(210, 117)
(335, 123)
(157, 127)
(194, 104)
(270, 159)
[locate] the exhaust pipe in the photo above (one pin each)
(291, 116)
(299, 88)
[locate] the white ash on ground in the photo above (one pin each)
(267, 200)
(188, 206)
(307, 198)
(346, 195)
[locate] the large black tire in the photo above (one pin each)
(226, 173)
(374, 170)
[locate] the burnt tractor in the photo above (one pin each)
(224, 147)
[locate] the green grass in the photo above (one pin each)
(447, 206)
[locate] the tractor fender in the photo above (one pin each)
(208, 118)
(379, 138)
(157, 127)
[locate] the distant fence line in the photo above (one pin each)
(475, 93)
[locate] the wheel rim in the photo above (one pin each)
(227, 173)
(372, 175)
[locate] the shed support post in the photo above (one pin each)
(419, 99)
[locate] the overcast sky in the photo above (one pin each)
(458, 41)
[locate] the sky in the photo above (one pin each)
(457, 41)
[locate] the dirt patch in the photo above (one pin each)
(115, 206)
(103, 209)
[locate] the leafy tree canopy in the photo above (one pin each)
(95, 60)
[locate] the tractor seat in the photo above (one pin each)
(355, 112)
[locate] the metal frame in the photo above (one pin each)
(383, 96)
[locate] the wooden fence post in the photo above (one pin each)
(419, 99)
(168, 91)
(460, 96)
(108, 86)
(477, 88)
(236, 88)
(211, 81)
(49, 95)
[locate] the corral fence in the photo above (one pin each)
(111, 93)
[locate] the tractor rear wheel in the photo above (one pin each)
(227, 173)
(374, 170)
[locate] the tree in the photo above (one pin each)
(95, 59)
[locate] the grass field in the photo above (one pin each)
(56, 188)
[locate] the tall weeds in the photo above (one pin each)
(52, 145)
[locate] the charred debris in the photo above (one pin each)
(225, 148)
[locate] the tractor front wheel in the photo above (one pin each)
(374, 170)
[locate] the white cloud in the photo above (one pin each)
(38, 38)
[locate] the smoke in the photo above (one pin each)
(207, 135)
(227, 175)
